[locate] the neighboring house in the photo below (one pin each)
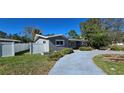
(9, 47)
(6, 46)
(8, 41)
(57, 42)
(120, 43)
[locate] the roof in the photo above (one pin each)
(76, 39)
(9, 40)
(55, 35)
(47, 37)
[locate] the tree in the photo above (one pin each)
(99, 40)
(73, 34)
(115, 27)
(35, 31)
(113, 24)
(93, 32)
(100, 32)
(89, 27)
(32, 31)
(22, 38)
(116, 36)
(15, 36)
(25, 39)
(3, 34)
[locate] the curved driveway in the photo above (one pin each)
(79, 63)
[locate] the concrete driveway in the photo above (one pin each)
(79, 63)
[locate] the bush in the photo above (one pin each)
(85, 49)
(117, 48)
(66, 51)
(56, 55)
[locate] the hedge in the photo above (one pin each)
(85, 48)
(117, 48)
(56, 55)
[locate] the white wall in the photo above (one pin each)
(36, 48)
(40, 46)
(46, 45)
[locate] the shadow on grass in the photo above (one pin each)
(21, 53)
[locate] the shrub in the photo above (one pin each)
(66, 51)
(56, 55)
(85, 48)
(117, 48)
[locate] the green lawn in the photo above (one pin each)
(110, 64)
(25, 64)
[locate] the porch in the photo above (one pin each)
(75, 43)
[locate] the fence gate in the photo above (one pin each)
(37, 48)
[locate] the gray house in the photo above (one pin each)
(57, 42)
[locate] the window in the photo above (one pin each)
(59, 42)
(44, 42)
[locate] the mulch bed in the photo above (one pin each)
(117, 59)
(114, 58)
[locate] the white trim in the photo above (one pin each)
(59, 40)
(49, 36)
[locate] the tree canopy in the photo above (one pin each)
(28, 34)
(32, 31)
(101, 32)
(3, 34)
(73, 34)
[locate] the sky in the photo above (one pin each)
(47, 25)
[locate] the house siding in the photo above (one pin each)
(53, 46)
(53, 40)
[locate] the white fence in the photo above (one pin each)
(21, 47)
(11, 48)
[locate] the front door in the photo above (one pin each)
(78, 44)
